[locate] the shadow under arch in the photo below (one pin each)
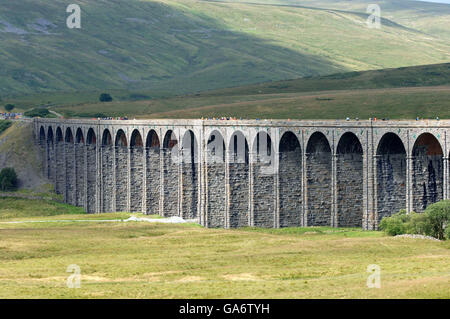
(215, 160)
(318, 180)
(190, 195)
(239, 180)
(290, 180)
(136, 172)
(121, 167)
(108, 163)
(390, 176)
(349, 181)
(428, 172)
(171, 182)
(153, 174)
(263, 181)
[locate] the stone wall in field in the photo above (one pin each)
(249, 173)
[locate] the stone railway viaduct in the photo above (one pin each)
(249, 173)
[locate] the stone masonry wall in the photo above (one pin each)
(239, 194)
(427, 180)
(391, 184)
(137, 178)
(60, 168)
(121, 178)
(91, 178)
(190, 190)
(70, 183)
(153, 180)
(107, 178)
(170, 185)
(264, 194)
(350, 190)
(216, 194)
(290, 181)
(80, 174)
(318, 167)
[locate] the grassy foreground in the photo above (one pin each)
(146, 260)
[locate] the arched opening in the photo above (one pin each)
(318, 167)
(189, 204)
(171, 177)
(263, 181)
(91, 167)
(239, 180)
(152, 146)
(390, 176)
(42, 135)
(136, 171)
(70, 194)
(349, 181)
(80, 168)
(59, 161)
(290, 181)
(107, 156)
(121, 162)
(215, 158)
(427, 172)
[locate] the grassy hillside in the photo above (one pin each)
(173, 47)
(422, 91)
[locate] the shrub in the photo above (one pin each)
(9, 107)
(433, 222)
(8, 179)
(105, 97)
(397, 224)
(438, 218)
(37, 112)
(4, 125)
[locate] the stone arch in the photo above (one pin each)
(107, 163)
(318, 180)
(136, 171)
(42, 138)
(59, 135)
(263, 181)
(121, 164)
(216, 192)
(390, 176)
(59, 161)
(70, 188)
(349, 177)
(427, 172)
(189, 203)
(170, 174)
(80, 173)
(50, 136)
(152, 147)
(91, 169)
(290, 180)
(69, 136)
(239, 170)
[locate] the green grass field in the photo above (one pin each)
(146, 260)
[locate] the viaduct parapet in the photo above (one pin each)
(249, 173)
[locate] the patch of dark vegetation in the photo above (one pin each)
(433, 222)
(38, 112)
(4, 125)
(8, 180)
